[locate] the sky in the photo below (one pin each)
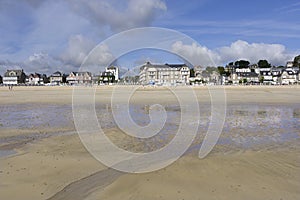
(45, 36)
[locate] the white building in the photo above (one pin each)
(34, 79)
(14, 77)
(289, 76)
(164, 74)
(56, 78)
(113, 70)
(76, 78)
(289, 64)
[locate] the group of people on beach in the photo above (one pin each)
(10, 87)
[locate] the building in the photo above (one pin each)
(114, 71)
(266, 76)
(289, 64)
(14, 77)
(244, 75)
(96, 79)
(35, 79)
(276, 75)
(79, 78)
(164, 74)
(289, 76)
(56, 78)
(107, 78)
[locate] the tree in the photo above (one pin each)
(192, 72)
(211, 69)
(261, 79)
(242, 63)
(221, 70)
(263, 64)
(297, 61)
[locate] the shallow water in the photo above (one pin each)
(246, 126)
(30, 116)
(6, 153)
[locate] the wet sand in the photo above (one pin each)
(46, 159)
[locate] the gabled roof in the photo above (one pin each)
(18, 72)
(57, 73)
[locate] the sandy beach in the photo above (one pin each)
(256, 157)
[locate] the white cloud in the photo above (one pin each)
(196, 54)
(276, 54)
(61, 28)
(99, 58)
(119, 15)
(38, 62)
(77, 50)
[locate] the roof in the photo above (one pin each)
(18, 72)
(247, 74)
(83, 73)
(112, 67)
(176, 66)
(290, 72)
(57, 73)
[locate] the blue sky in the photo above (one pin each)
(45, 36)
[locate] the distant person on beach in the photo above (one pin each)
(10, 87)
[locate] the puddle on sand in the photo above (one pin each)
(30, 116)
(6, 153)
(245, 125)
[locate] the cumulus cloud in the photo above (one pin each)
(119, 15)
(195, 54)
(66, 29)
(38, 62)
(276, 54)
(77, 50)
(99, 58)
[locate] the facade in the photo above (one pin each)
(14, 77)
(164, 74)
(289, 76)
(289, 64)
(266, 76)
(114, 71)
(107, 78)
(245, 75)
(56, 78)
(276, 76)
(79, 78)
(35, 79)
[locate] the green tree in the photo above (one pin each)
(263, 64)
(261, 79)
(242, 63)
(211, 69)
(192, 72)
(221, 70)
(297, 61)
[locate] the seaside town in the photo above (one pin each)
(240, 72)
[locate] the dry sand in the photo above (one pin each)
(52, 163)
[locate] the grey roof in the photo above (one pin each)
(18, 72)
(148, 64)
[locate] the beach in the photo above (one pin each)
(256, 157)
